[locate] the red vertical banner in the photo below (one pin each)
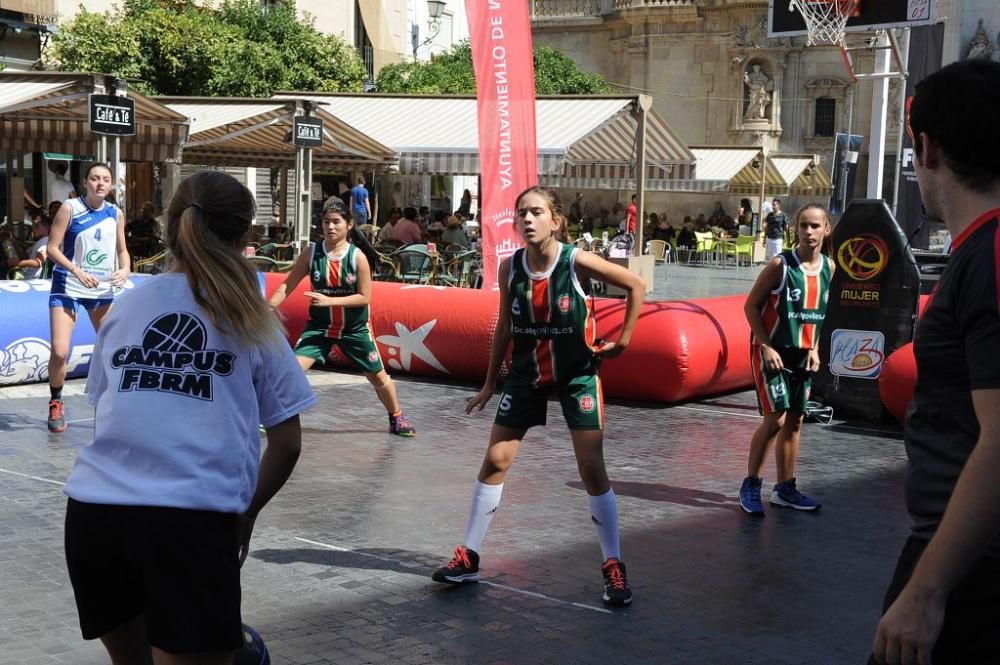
(500, 33)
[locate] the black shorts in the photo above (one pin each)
(969, 634)
(177, 568)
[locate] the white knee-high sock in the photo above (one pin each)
(604, 515)
(485, 501)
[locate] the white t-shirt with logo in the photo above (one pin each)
(178, 403)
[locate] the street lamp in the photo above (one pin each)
(435, 9)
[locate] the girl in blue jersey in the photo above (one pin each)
(87, 245)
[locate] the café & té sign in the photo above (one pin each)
(110, 114)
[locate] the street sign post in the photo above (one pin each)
(110, 114)
(308, 132)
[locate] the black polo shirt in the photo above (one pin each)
(957, 346)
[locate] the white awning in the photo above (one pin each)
(254, 132)
(804, 175)
(577, 137)
(49, 112)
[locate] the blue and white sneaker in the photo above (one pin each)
(750, 496)
(785, 494)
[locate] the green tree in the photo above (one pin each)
(451, 73)
(172, 47)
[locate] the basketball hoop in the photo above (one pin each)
(825, 19)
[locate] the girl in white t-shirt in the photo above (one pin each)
(87, 246)
(163, 501)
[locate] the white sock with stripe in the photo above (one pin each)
(604, 515)
(485, 501)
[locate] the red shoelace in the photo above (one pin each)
(461, 558)
(55, 410)
(614, 572)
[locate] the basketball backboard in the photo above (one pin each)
(870, 15)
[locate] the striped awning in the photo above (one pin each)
(577, 137)
(49, 112)
(254, 132)
(804, 175)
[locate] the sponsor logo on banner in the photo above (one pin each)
(26, 360)
(857, 353)
(587, 403)
(862, 258)
(407, 344)
(172, 358)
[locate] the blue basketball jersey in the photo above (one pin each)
(91, 244)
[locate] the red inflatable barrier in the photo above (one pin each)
(898, 378)
(897, 381)
(680, 349)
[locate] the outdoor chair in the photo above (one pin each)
(414, 264)
(659, 249)
(154, 264)
(704, 245)
(457, 270)
(264, 263)
(385, 269)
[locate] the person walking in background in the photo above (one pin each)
(162, 502)
(465, 205)
(785, 310)
(87, 246)
(943, 603)
(775, 227)
(360, 205)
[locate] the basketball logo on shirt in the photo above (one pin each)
(316, 275)
(587, 403)
(372, 357)
(565, 304)
(515, 307)
(172, 358)
(351, 278)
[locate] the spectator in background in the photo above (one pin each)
(424, 218)
(631, 212)
(143, 233)
(453, 233)
(407, 230)
(60, 188)
(662, 230)
(54, 208)
(434, 231)
(775, 227)
(465, 206)
(360, 205)
(701, 224)
(717, 217)
(385, 233)
(745, 215)
(576, 209)
(397, 195)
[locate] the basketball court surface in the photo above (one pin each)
(339, 571)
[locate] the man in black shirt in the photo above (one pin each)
(944, 599)
(775, 225)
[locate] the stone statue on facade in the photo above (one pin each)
(980, 47)
(759, 87)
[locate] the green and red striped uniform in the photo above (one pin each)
(336, 276)
(794, 312)
(552, 323)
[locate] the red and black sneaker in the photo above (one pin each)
(57, 416)
(617, 592)
(463, 567)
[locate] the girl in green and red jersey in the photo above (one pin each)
(341, 280)
(785, 309)
(545, 312)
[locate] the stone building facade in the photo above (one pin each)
(718, 79)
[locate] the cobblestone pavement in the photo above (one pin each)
(339, 571)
